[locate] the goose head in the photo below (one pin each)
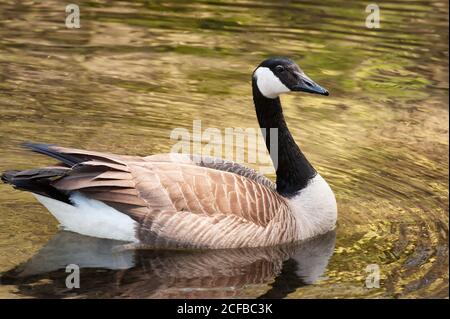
(278, 75)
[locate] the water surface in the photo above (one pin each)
(136, 70)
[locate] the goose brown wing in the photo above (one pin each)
(214, 163)
(72, 156)
(142, 188)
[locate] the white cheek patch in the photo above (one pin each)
(268, 83)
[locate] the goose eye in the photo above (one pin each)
(279, 68)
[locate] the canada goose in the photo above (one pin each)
(182, 201)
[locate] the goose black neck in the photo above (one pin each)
(292, 168)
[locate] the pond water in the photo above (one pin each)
(136, 70)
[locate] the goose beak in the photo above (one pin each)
(307, 85)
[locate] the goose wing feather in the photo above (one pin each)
(203, 161)
(214, 163)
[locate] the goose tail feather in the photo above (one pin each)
(51, 150)
(37, 181)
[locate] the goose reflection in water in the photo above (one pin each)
(107, 270)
